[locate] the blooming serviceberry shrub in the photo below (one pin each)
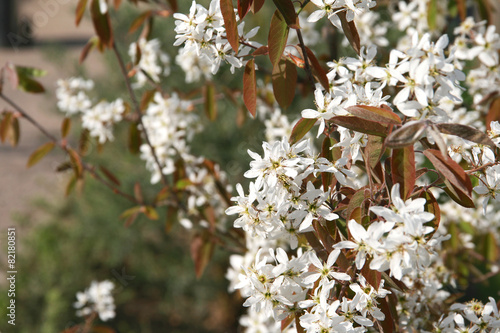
(376, 220)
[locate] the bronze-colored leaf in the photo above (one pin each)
(250, 88)
(350, 31)
(450, 169)
(360, 125)
(406, 135)
(284, 79)
(39, 153)
(287, 9)
(467, 133)
(227, 9)
(373, 113)
(300, 129)
(278, 36)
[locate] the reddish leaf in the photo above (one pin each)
(287, 9)
(278, 35)
(356, 202)
(173, 5)
(263, 50)
(11, 73)
(403, 170)
(462, 9)
(374, 114)
(202, 249)
(450, 169)
(373, 150)
(117, 4)
(102, 24)
(244, 7)
(227, 9)
(467, 133)
(5, 125)
(80, 10)
(318, 72)
(14, 132)
(350, 31)
(210, 103)
(93, 42)
(284, 79)
(110, 175)
(257, 5)
(458, 195)
(406, 135)
(431, 206)
(39, 153)
(300, 129)
(360, 125)
(298, 327)
(493, 113)
(76, 162)
(250, 88)
(372, 277)
(139, 20)
(287, 322)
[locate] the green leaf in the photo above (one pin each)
(227, 9)
(381, 115)
(131, 211)
(284, 78)
(432, 13)
(300, 129)
(39, 153)
(102, 24)
(210, 103)
(278, 36)
(287, 10)
(250, 87)
(25, 81)
(403, 170)
(134, 139)
(360, 125)
(150, 212)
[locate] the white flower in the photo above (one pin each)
(97, 298)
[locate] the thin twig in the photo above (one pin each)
(137, 109)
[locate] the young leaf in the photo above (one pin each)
(93, 42)
(244, 7)
(39, 153)
(278, 35)
(210, 103)
(102, 24)
(65, 127)
(457, 195)
(80, 10)
(110, 175)
(287, 9)
(493, 112)
(173, 5)
(360, 125)
(202, 249)
(171, 218)
(432, 13)
(134, 139)
(467, 133)
(227, 9)
(373, 113)
(150, 212)
(350, 31)
(14, 132)
(406, 135)
(131, 211)
(5, 125)
(250, 87)
(284, 79)
(431, 206)
(139, 20)
(450, 169)
(300, 129)
(257, 5)
(403, 170)
(318, 72)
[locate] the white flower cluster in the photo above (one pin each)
(399, 241)
(203, 32)
(97, 298)
(331, 8)
(473, 316)
(371, 30)
(413, 16)
(99, 118)
(169, 124)
(150, 62)
(476, 40)
(278, 206)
